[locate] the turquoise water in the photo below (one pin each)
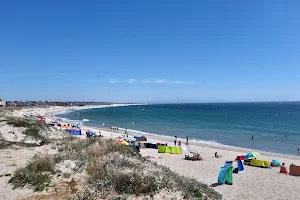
(230, 124)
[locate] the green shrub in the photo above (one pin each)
(33, 133)
(38, 180)
(37, 173)
(19, 122)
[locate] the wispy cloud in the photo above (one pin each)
(156, 81)
(95, 81)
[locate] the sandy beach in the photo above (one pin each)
(254, 183)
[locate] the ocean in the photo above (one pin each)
(275, 127)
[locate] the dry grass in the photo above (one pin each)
(112, 170)
(37, 173)
(33, 127)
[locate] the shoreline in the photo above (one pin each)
(168, 138)
(267, 183)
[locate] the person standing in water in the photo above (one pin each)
(252, 137)
(298, 149)
(187, 140)
(175, 141)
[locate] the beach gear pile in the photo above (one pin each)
(130, 142)
(250, 159)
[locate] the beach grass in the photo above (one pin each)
(112, 169)
(37, 173)
(33, 127)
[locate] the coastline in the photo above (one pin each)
(157, 137)
(267, 183)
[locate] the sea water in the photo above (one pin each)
(275, 127)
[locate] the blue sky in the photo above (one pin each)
(150, 51)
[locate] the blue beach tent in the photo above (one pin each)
(75, 132)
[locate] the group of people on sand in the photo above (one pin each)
(179, 141)
(187, 143)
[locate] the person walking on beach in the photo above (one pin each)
(126, 133)
(187, 140)
(175, 141)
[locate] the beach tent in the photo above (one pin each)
(294, 170)
(251, 155)
(240, 167)
(75, 132)
(151, 145)
(225, 176)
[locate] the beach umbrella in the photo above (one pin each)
(251, 155)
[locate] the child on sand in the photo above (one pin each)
(179, 143)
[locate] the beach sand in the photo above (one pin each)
(254, 183)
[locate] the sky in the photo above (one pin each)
(150, 51)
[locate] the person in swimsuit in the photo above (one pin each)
(175, 141)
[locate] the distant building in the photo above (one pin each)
(2, 103)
